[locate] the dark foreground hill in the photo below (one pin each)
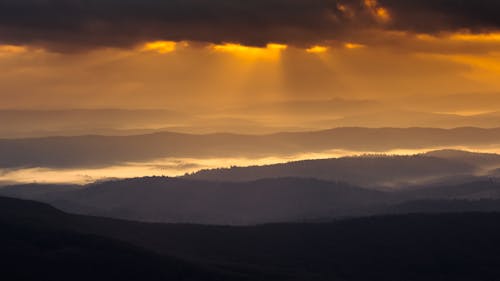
(40, 240)
(160, 199)
(177, 200)
(37, 242)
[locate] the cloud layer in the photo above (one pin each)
(78, 24)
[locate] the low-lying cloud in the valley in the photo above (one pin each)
(175, 167)
(171, 167)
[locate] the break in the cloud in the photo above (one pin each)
(76, 24)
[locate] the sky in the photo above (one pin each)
(212, 56)
(121, 67)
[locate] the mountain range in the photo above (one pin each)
(97, 151)
(159, 199)
(39, 242)
(298, 115)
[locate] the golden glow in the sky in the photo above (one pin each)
(12, 49)
(317, 49)
(489, 63)
(345, 10)
(162, 47)
(464, 37)
(467, 113)
(484, 69)
(271, 51)
(352, 46)
(341, 7)
(426, 37)
(484, 37)
(381, 14)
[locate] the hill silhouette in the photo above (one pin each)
(369, 171)
(176, 200)
(411, 247)
(441, 206)
(37, 244)
(290, 192)
(161, 199)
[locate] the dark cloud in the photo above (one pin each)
(434, 16)
(70, 24)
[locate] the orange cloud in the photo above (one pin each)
(353, 46)
(484, 37)
(463, 37)
(317, 49)
(162, 47)
(271, 51)
(12, 49)
(381, 14)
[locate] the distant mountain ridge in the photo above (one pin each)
(370, 171)
(95, 151)
(298, 115)
(373, 171)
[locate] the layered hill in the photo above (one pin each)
(174, 200)
(57, 246)
(93, 151)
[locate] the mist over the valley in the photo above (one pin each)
(84, 159)
(308, 190)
